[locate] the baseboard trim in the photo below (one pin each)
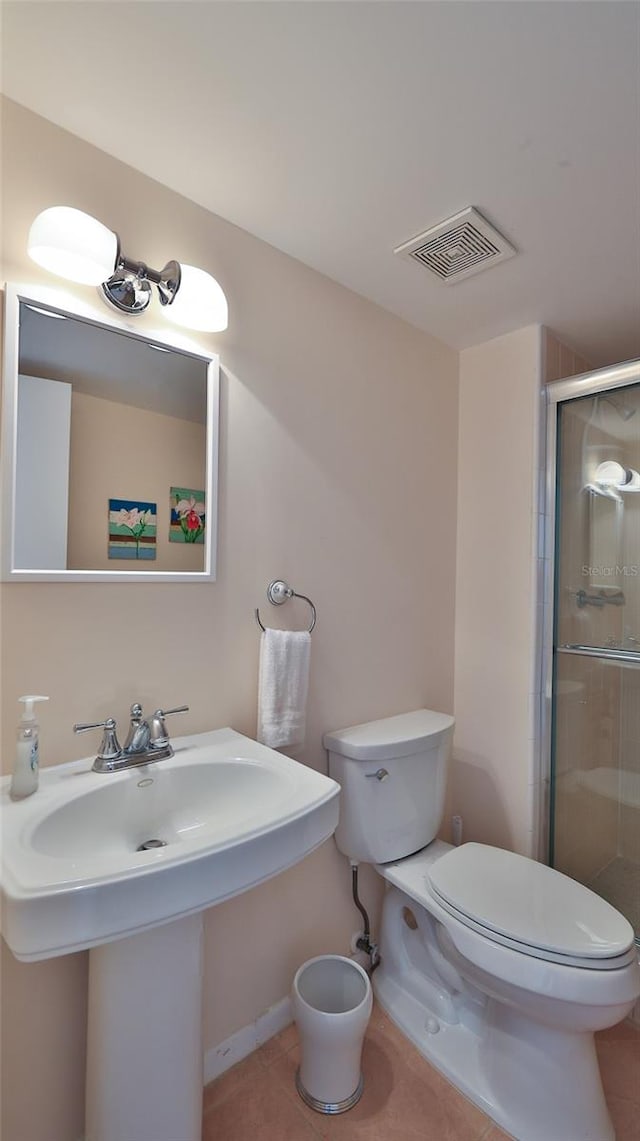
(239, 1045)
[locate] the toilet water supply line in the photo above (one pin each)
(363, 942)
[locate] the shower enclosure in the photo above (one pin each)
(593, 634)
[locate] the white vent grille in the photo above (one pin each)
(458, 247)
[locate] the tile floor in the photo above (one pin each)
(404, 1099)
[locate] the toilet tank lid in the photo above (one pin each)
(398, 736)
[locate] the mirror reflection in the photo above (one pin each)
(111, 450)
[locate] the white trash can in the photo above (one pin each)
(332, 1003)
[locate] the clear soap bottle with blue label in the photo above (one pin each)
(26, 769)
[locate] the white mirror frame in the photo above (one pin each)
(69, 305)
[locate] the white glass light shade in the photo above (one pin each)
(74, 245)
(199, 303)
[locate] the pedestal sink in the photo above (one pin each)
(124, 863)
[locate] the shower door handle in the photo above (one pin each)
(630, 656)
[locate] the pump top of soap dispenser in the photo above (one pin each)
(29, 702)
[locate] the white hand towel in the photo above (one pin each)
(283, 682)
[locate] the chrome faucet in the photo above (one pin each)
(139, 733)
(147, 741)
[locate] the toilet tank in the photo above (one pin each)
(389, 818)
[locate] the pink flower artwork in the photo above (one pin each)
(187, 516)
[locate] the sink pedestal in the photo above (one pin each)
(144, 1048)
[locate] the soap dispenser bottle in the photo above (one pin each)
(25, 771)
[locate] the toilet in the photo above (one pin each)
(498, 968)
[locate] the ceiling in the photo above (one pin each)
(338, 130)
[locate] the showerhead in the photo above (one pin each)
(623, 410)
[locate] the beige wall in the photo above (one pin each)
(121, 452)
(337, 422)
(499, 785)
(495, 779)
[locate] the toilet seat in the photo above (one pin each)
(528, 906)
(593, 964)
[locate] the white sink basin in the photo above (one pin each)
(231, 813)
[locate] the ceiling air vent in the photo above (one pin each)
(458, 247)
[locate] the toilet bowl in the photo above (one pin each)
(498, 968)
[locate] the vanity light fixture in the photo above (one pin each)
(74, 245)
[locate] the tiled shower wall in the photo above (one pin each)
(630, 713)
(598, 704)
(559, 361)
(587, 690)
(630, 766)
(587, 750)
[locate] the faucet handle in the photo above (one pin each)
(157, 728)
(109, 746)
(166, 712)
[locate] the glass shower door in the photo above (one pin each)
(595, 786)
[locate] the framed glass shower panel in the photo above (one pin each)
(595, 754)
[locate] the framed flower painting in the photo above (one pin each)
(132, 529)
(187, 522)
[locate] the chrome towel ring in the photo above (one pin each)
(278, 592)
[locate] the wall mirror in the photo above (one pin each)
(110, 449)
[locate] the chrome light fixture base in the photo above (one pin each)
(168, 282)
(127, 292)
(129, 288)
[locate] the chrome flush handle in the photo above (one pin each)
(381, 774)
